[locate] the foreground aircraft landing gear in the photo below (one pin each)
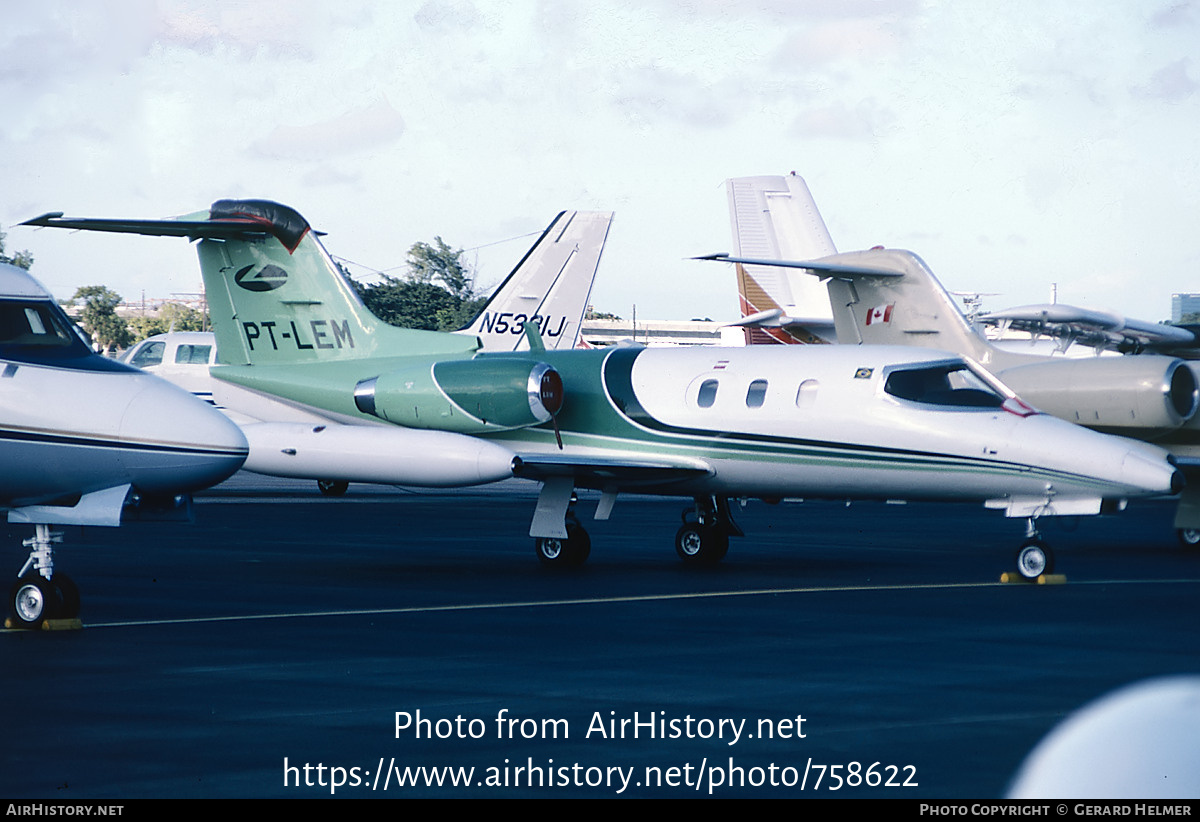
(1034, 557)
(704, 537)
(39, 593)
(569, 552)
(1189, 537)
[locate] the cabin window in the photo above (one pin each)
(947, 384)
(149, 354)
(708, 394)
(756, 394)
(193, 354)
(806, 394)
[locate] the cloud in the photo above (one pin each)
(1170, 83)
(354, 131)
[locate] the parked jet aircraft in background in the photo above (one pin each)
(840, 422)
(1098, 329)
(548, 287)
(775, 218)
(79, 432)
(890, 297)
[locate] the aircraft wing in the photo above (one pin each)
(838, 271)
(1104, 329)
(598, 472)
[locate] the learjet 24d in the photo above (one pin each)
(863, 422)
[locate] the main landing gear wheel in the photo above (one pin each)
(701, 544)
(570, 552)
(32, 600)
(1189, 537)
(332, 488)
(1034, 558)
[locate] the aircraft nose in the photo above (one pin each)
(176, 442)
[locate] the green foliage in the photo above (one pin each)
(593, 314)
(439, 263)
(435, 295)
(171, 317)
(1190, 319)
(22, 259)
(99, 317)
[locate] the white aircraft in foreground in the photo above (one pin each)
(549, 287)
(714, 424)
(890, 297)
(79, 432)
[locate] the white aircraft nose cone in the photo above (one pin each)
(176, 442)
(1136, 743)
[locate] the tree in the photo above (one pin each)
(99, 317)
(436, 295)
(440, 263)
(22, 259)
(171, 317)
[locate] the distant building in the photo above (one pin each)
(1182, 304)
(600, 333)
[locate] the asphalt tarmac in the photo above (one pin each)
(290, 645)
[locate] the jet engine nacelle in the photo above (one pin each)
(375, 453)
(467, 396)
(1110, 392)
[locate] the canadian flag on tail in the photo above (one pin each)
(880, 314)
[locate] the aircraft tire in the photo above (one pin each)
(332, 488)
(1034, 558)
(701, 545)
(31, 600)
(1188, 537)
(66, 596)
(571, 552)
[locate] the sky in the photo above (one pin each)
(1012, 145)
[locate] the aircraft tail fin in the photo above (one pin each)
(777, 218)
(549, 286)
(887, 297)
(274, 294)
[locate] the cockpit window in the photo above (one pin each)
(32, 324)
(946, 384)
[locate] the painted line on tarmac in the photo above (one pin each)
(558, 603)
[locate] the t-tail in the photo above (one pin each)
(274, 295)
(776, 218)
(886, 297)
(549, 287)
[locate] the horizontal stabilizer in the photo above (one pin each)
(838, 271)
(226, 220)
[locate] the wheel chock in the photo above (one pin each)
(73, 624)
(1044, 579)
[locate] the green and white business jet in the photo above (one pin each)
(842, 422)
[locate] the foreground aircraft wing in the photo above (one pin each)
(597, 473)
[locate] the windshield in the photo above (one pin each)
(946, 384)
(33, 324)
